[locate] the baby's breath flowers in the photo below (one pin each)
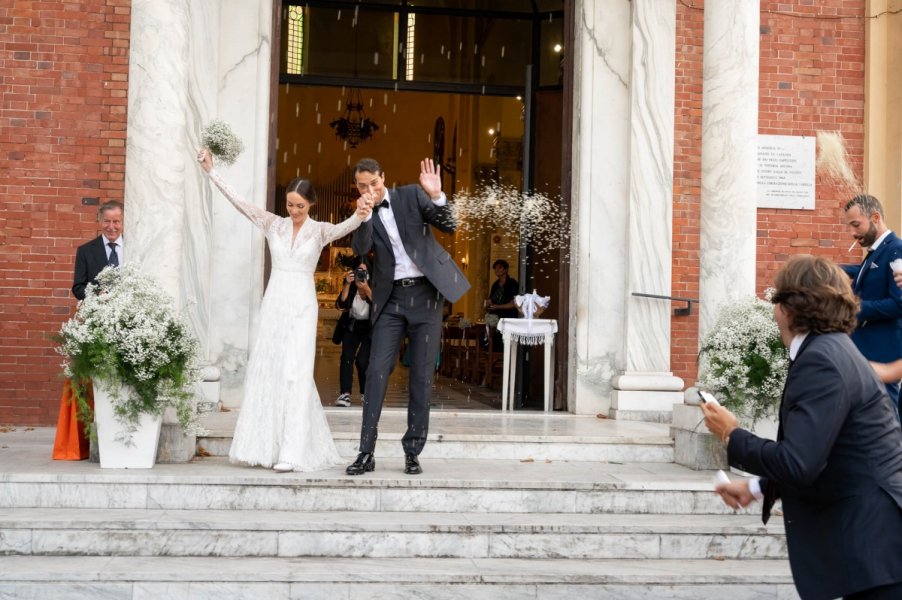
(743, 360)
(539, 221)
(222, 142)
(127, 332)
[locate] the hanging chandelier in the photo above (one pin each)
(354, 126)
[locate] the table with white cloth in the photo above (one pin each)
(530, 332)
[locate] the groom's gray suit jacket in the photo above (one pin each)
(416, 214)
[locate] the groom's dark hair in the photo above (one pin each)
(370, 165)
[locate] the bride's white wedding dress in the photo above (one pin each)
(281, 418)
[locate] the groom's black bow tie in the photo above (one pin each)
(383, 204)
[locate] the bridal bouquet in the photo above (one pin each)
(128, 333)
(743, 360)
(222, 142)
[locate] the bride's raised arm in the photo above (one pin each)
(255, 214)
(329, 232)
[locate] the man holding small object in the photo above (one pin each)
(879, 331)
(837, 460)
(412, 277)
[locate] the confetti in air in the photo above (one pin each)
(540, 221)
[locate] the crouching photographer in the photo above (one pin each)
(353, 329)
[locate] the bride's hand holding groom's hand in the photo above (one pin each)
(364, 206)
(364, 212)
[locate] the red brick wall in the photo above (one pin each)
(64, 77)
(811, 79)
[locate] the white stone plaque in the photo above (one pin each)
(786, 171)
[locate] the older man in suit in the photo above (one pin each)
(879, 331)
(90, 259)
(837, 460)
(412, 276)
(105, 249)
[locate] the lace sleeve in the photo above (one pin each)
(256, 215)
(330, 232)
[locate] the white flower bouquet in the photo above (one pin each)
(128, 332)
(743, 361)
(222, 142)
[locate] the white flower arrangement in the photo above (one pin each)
(743, 361)
(126, 331)
(222, 142)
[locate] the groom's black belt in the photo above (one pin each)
(409, 281)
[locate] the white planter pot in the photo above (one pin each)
(142, 453)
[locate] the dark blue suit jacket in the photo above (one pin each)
(838, 469)
(879, 332)
(90, 259)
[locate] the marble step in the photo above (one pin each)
(202, 578)
(386, 535)
(445, 486)
(484, 435)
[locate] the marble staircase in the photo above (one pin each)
(475, 434)
(527, 527)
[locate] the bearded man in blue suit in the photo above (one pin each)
(879, 332)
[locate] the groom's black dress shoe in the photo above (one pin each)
(365, 462)
(412, 464)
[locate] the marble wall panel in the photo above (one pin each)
(155, 155)
(729, 155)
(652, 79)
(242, 100)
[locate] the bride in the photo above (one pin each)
(282, 424)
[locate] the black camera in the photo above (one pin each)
(361, 275)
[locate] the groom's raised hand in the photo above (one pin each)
(431, 178)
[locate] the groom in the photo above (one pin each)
(412, 277)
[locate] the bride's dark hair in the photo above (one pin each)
(303, 187)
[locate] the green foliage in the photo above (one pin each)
(127, 333)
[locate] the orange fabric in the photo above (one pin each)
(70, 442)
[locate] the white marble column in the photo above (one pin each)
(622, 208)
(191, 62)
(154, 163)
(232, 72)
(601, 175)
(647, 389)
(729, 154)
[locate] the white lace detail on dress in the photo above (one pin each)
(281, 417)
(255, 214)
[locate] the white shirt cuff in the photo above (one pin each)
(755, 488)
(443, 200)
